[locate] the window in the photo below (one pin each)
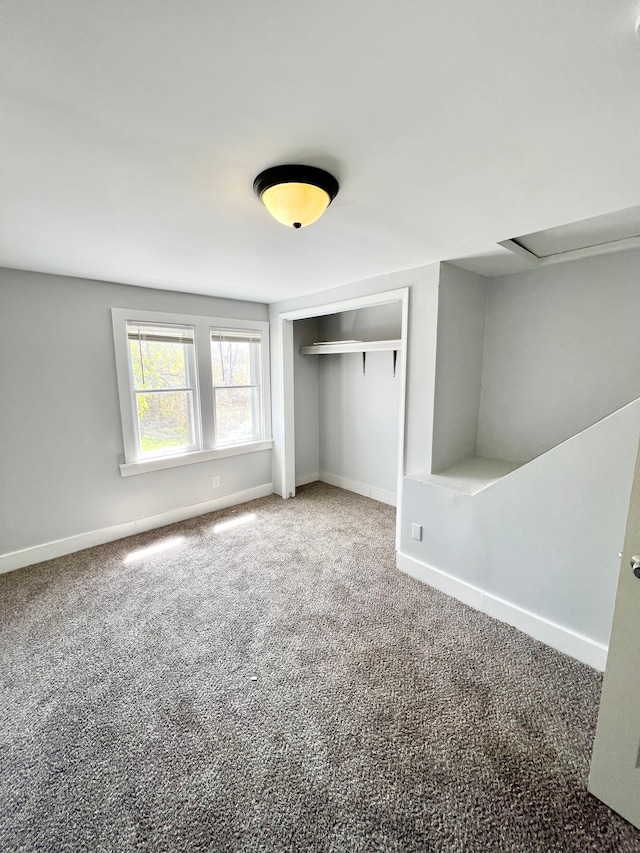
(191, 388)
(163, 381)
(235, 364)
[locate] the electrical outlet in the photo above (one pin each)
(216, 482)
(416, 532)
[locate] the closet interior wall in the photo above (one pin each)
(347, 406)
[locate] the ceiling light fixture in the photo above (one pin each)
(296, 195)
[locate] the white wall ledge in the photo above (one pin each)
(128, 469)
(469, 476)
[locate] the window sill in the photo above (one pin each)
(128, 469)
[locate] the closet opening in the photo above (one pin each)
(343, 380)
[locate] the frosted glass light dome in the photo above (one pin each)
(296, 195)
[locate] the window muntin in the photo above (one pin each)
(237, 398)
(164, 385)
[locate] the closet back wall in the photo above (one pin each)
(359, 423)
(358, 410)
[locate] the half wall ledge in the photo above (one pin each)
(469, 476)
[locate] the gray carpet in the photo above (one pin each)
(279, 686)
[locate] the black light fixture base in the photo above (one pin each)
(294, 174)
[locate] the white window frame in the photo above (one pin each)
(202, 325)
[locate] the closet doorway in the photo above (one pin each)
(343, 383)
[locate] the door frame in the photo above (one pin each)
(284, 438)
(614, 775)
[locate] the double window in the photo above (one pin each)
(190, 387)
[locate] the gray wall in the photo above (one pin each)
(61, 436)
(559, 353)
(305, 333)
(462, 303)
(359, 411)
(359, 419)
(346, 423)
(377, 323)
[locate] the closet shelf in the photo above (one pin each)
(350, 346)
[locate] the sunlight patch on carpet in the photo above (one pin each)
(247, 518)
(156, 548)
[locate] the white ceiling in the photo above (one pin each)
(132, 130)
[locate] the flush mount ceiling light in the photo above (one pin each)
(296, 195)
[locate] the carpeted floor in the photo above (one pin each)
(278, 686)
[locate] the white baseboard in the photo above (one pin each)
(373, 492)
(558, 637)
(305, 479)
(60, 547)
